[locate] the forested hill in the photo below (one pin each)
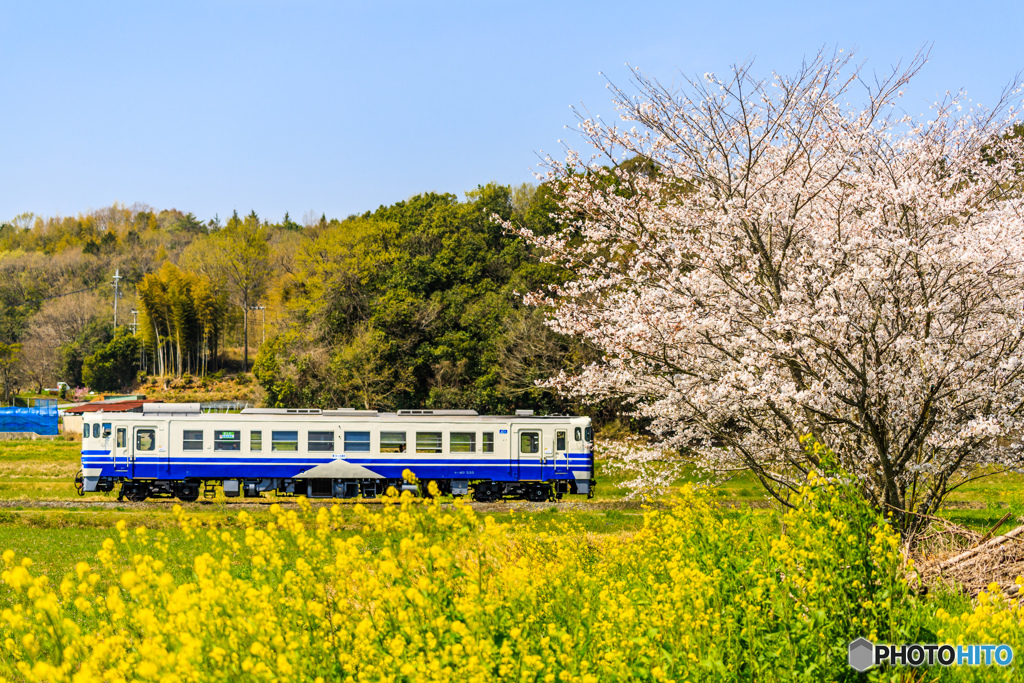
(412, 305)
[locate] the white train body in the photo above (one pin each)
(175, 449)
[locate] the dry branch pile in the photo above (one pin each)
(954, 556)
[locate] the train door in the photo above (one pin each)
(143, 450)
(121, 451)
(513, 453)
(502, 445)
(527, 449)
(547, 458)
(561, 460)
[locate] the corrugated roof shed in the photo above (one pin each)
(108, 407)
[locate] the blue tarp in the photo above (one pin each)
(40, 418)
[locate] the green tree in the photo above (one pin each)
(190, 224)
(365, 372)
(415, 305)
(113, 367)
(10, 354)
(242, 253)
(288, 224)
(94, 335)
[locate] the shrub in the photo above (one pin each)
(113, 367)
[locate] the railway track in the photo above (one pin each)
(262, 503)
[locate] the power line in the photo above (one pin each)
(58, 296)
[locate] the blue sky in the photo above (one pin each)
(339, 107)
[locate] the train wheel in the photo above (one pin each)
(485, 493)
(80, 483)
(540, 494)
(188, 493)
(137, 494)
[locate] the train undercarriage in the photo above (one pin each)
(189, 490)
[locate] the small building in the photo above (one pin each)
(74, 416)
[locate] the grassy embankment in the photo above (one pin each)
(42, 516)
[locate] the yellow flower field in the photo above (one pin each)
(429, 591)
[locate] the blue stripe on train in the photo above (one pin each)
(230, 466)
(570, 456)
(410, 462)
(322, 461)
(499, 472)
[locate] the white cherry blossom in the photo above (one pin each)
(781, 262)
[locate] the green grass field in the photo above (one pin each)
(42, 516)
(572, 545)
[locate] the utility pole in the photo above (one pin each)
(135, 332)
(263, 321)
(117, 293)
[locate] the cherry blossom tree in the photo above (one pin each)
(759, 260)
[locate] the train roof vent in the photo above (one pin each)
(282, 411)
(465, 413)
(349, 411)
(164, 408)
(524, 413)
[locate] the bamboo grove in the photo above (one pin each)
(182, 317)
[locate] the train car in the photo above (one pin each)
(176, 450)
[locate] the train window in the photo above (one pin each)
(284, 441)
(578, 434)
(227, 440)
(86, 431)
(145, 439)
(529, 442)
(255, 441)
(106, 430)
(488, 442)
(559, 441)
(392, 442)
(357, 442)
(96, 431)
(589, 434)
(428, 442)
(121, 437)
(462, 442)
(192, 440)
(324, 441)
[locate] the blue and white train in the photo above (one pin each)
(176, 450)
